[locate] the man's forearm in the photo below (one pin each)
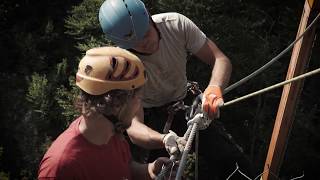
(222, 68)
(144, 136)
(221, 72)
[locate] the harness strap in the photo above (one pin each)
(192, 87)
(172, 110)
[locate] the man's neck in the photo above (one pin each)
(96, 129)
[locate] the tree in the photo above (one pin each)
(33, 41)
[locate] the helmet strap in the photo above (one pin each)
(116, 119)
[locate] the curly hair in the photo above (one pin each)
(105, 103)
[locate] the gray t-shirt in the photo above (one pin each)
(166, 68)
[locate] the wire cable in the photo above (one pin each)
(258, 71)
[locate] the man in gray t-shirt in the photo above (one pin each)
(163, 42)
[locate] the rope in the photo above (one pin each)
(189, 136)
(272, 87)
(186, 150)
(196, 163)
(258, 71)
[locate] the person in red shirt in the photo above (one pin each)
(93, 147)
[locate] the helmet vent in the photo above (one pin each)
(127, 7)
(109, 76)
(136, 72)
(88, 69)
(127, 66)
(113, 62)
(121, 77)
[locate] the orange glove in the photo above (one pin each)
(212, 99)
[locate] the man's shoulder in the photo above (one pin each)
(54, 161)
(61, 148)
(61, 157)
(169, 16)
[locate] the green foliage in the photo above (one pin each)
(37, 120)
(189, 167)
(83, 25)
(45, 118)
(189, 171)
(3, 175)
(66, 99)
(33, 41)
(38, 93)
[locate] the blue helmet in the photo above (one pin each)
(124, 22)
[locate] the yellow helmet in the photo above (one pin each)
(107, 68)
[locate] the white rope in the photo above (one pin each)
(258, 71)
(186, 150)
(272, 87)
(188, 136)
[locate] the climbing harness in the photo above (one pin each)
(192, 87)
(179, 105)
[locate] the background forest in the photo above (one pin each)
(41, 43)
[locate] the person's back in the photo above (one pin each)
(71, 156)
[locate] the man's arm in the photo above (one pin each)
(222, 68)
(221, 72)
(142, 135)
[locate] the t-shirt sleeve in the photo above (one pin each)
(57, 170)
(48, 168)
(194, 37)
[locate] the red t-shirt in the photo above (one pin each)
(71, 156)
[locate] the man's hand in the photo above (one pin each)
(173, 143)
(212, 99)
(154, 168)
